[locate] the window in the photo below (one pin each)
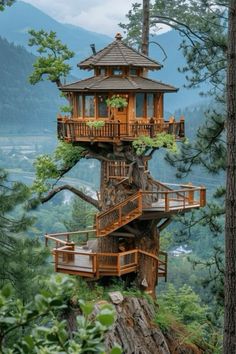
(102, 106)
(89, 105)
(80, 105)
(101, 71)
(140, 105)
(150, 105)
(133, 72)
(117, 72)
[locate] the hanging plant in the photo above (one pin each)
(117, 102)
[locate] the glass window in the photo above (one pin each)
(80, 105)
(150, 105)
(102, 106)
(117, 72)
(103, 71)
(133, 72)
(140, 100)
(89, 105)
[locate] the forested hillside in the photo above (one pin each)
(24, 109)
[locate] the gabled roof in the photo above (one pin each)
(119, 54)
(118, 84)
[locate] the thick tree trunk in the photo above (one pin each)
(230, 222)
(145, 233)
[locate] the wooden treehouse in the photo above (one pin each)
(133, 207)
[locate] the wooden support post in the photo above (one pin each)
(118, 264)
(55, 252)
(167, 206)
(190, 195)
(202, 196)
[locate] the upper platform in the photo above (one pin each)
(119, 102)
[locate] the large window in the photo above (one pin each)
(102, 106)
(144, 105)
(140, 105)
(89, 106)
(150, 105)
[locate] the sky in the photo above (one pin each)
(100, 16)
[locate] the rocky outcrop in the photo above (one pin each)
(137, 333)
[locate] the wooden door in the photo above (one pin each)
(121, 114)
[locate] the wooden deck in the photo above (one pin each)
(71, 259)
(75, 130)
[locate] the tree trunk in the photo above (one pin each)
(230, 222)
(145, 27)
(144, 234)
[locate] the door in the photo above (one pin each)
(121, 114)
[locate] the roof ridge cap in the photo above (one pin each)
(132, 82)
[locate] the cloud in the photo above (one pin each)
(95, 15)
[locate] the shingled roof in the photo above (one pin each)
(119, 54)
(118, 84)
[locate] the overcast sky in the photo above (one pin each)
(95, 15)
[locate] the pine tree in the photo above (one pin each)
(21, 258)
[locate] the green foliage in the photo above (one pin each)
(183, 307)
(21, 258)
(116, 101)
(66, 109)
(4, 3)
(97, 124)
(46, 333)
(54, 166)
(82, 215)
(144, 143)
(53, 55)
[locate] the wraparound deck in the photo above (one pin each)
(80, 260)
(74, 130)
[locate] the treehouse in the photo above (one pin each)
(111, 109)
(118, 102)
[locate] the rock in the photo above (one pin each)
(116, 297)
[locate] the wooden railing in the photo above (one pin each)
(102, 264)
(75, 130)
(167, 199)
(119, 215)
(73, 237)
(117, 170)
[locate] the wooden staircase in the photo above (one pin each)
(119, 215)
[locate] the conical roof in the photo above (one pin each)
(119, 54)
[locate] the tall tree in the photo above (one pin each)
(145, 27)
(203, 26)
(21, 258)
(230, 199)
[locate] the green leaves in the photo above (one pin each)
(144, 143)
(4, 3)
(117, 101)
(53, 54)
(95, 124)
(49, 167)
(41, 320)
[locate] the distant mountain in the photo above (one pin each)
(24, 109)
(16, 20)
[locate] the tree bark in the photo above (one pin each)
(145, 27)
(229, 345)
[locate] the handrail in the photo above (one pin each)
(120, 204)
(114, 217)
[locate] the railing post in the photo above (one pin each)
(190, 195)
(118, 264)
(202, 196)
(55, 260)
(97, 266)
(167, 207)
